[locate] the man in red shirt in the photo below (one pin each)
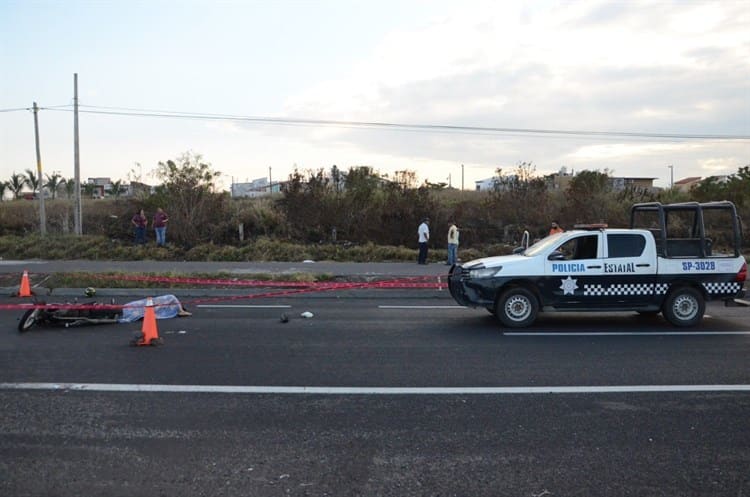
(160, 227)
(140, 221)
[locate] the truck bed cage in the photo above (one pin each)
(680, 229)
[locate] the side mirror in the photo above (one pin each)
(519, 250)
(556, 256)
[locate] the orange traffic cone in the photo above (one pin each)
(149, 334)
(25, 290)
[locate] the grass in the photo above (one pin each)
(161, 280)
(91, 247)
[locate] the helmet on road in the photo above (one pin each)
(89, 292)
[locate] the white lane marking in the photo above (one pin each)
(117, 387)
(619, 333)
(421, 307)
(243, 306)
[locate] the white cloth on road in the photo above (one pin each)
(165, 307)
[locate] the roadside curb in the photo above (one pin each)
(42, 293)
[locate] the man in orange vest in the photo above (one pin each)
(555, 229)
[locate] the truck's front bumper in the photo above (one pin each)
(471, 292)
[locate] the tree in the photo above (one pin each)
(521, 197)
(738, 187)
(70, 187)
(405, 179)
(354, 213)
(32, 180)
(54, 181)
(588, 197)
(336, 177)
(188, 195)
(117, 188)
(3, 189)
(16, 184)
(310, 204)
(89, 189)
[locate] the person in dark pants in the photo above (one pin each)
(139, 221)
(423, 232)
(160, 227)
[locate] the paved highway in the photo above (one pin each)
(378, 393)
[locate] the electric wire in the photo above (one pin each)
(417, 127)
(16, 109)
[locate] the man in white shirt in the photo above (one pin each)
(424, 236)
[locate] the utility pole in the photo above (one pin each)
(270, 181)
(462, 177)
(671, 176)
(77, 221)
(42, 213)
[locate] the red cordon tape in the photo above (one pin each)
(411, 282)
(294, 288)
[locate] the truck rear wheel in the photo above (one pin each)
(517, 307)
(684, 307)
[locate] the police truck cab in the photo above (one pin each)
(672, 259)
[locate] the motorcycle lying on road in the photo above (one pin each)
(69, 314)
(92, 312)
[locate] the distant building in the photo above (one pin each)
(488, 184)
(496, 183)
(559, 180)
(99, 181)
(99, 186)
(102, 187)
(685, 184)
(722, 178)
(255, 188)
(641, 184)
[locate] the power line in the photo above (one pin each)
(31, 109)
(425, 128)
(16, 109)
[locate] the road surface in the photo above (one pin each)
(377, 394)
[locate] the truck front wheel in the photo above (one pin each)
(517, 307)
(684, 307)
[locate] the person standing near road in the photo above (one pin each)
(160, 227)
(555, 228)
(452, 243)
(140, 222)
(423, 233)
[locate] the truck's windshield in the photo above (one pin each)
(543, 244)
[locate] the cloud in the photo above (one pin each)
(624, 66)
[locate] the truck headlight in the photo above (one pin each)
(484, 272)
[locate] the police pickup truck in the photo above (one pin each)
(672, 259)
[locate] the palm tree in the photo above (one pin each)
(54, 182)
(117, 189)
(88, 189)
(32, 180)
(3, 189)
(70, 187)
(16, 184)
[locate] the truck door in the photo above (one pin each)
(570, 269)
(629, 271)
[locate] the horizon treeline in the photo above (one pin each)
(361, 206)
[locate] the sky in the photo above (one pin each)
(464, 87)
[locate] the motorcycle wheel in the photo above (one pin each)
(28, 320)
